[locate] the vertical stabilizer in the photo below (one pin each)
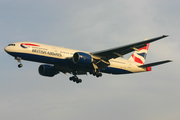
(139, 56)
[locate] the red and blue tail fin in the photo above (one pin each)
(140, 56)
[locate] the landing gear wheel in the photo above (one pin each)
(20, 65)
(19, 60)
(78, 81)
(75, 79)
(99, 75)
(71, 78)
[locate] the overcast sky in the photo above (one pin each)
(90, 25)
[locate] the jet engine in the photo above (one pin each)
(82, 58)
(47, 70)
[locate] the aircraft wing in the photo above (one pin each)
(120, 51)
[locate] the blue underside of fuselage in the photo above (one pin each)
(64, 63)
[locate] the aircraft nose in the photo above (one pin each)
(6, 49)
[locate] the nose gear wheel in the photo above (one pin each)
(19, 60)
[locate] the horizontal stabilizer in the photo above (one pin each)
(155, 63)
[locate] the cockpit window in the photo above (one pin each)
(11, 45)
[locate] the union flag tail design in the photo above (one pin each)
(140, 56)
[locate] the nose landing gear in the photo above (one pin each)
(19, 60)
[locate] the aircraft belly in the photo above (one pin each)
(120, 66)
(66, 64)
(112, 70)
(39, 58)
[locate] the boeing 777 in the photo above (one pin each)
(58, 59)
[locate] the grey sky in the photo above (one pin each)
(90, 25)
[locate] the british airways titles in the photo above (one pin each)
(46, 52)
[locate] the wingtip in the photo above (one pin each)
(165, 35)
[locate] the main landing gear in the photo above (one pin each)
(75, 79)
(96, 71)
(97, 74)
(19, 60)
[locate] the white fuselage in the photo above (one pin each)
(58, 55)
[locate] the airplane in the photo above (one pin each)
(59, 59)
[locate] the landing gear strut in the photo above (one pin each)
(75, 79)
(19, 60)
(96, 71)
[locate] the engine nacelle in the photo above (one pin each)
(47, 70)
(82, 58)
